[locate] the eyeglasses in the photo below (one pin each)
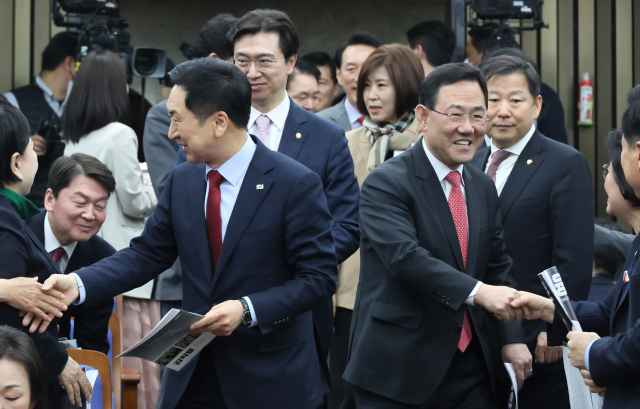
(261, 64)
(478, 121)
(605, 170)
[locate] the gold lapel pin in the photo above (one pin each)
(298, 135)
(259, 187)
(529, 161)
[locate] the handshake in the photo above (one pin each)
(509, 304)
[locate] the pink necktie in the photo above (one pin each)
(459, 213)
(263, 122)
(496, 160)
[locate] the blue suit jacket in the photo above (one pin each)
(614, 361)
(322, 147)
(278, 250)
(548, 215)
(91, 325)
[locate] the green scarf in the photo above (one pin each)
(21, 204)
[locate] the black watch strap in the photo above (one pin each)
(246, 315)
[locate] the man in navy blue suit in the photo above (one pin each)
(75, 208)
(546, 200)
(253, 233)
(608, 357)
(265, 46)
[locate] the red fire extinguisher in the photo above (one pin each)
(586, 101)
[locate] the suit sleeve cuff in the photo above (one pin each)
(254, 320)
(81, 290)
(586, 354)
(470, 298)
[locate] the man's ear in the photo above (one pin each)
(220, 122)
(636, 146)
(419, 51)
(49, 199)
(70, 65)
(422, 113)
(213, 55)
(538, 104)
(291, 63)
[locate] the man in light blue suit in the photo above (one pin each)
(264, 48)
(254, 237)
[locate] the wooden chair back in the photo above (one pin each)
(99, 361)
(116, 349)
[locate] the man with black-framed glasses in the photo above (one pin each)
(547, 205)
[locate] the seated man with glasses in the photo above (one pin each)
(547, 205)
(434, 266)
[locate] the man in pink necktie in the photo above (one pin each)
(434, 268)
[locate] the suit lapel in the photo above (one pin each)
(294, 133)
(431, 189)
(38, 244)
(197, 188)
(472, 196)
(522, 172)
(249, 200)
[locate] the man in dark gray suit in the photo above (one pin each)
(349, 59)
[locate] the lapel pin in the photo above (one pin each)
(298, 135)
(259, 187)
(529, 162)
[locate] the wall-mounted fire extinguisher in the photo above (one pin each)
(586, 101)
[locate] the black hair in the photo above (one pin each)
(166, 80)
(98, 97)
(633, 95)
(214, 85)
(266, 21)
(16, 346)
(303, 67)
(61, 46)
(480, 37)
(448, 74)
(66, 168)
(631, 124)
(213, 37)
(437, 40)
(322, 59)
(613, 144)
(14, 137)
(504, 65)
(359, 38)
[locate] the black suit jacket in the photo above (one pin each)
(91, 325)
(600, 288)
(22, 255)
(548, 215)
(410, 302)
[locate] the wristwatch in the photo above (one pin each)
(246, 315)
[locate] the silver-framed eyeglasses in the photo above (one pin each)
(261, 64)
(475, 120)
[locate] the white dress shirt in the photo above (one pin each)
(505, 168)
(49, 96)
(353, 114)
(51, 243)
(278, 117)
(442, 171)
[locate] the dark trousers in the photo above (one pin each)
(465, 385)
(203, 391)
(547, 391)
(341, 395)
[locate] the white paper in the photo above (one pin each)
(514, 381)
(579, 394)
(92, 376)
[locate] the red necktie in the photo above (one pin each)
(57, 254)
(459, 213)
(361, 119)
(214, 221)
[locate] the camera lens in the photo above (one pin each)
(146, 62)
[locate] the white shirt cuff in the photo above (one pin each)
(83, 293)
(469, 300)
(253, 313)
(586, 354)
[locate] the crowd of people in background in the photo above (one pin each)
(361, 228)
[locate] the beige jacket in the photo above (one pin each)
(349, 270)
(116, 145)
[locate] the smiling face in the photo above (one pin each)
(15, 390)
(352, 59)
(267, 84)
(79, 210)
(380, 96)
(512, 109)
(303, 90)
(452, 143)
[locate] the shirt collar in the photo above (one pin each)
(51, 242)
(352, 113)
(440, 168)
(49, 94)
(518, 147)
(277, 115)
(233, 169)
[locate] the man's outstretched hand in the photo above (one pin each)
(55, 284)
(535, 307)
(497, 299)
(25, 294)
